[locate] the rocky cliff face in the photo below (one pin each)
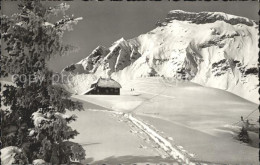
(212, 49)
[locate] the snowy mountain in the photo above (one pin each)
(209, 48)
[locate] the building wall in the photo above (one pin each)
(104, 91)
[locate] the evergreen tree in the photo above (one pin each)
(33, 110)
(243, 136)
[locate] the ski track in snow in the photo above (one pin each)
(161, 145)
(165, 145)
(156, 94)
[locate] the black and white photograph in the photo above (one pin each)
(125, 82)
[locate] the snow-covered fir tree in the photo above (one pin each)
(34, 124)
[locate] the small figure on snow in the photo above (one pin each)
(243, 134)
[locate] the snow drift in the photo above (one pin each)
(209, 48)
(12, 155)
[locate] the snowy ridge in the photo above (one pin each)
(207, 17)
(219, 50)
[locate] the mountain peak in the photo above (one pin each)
(120, 40)
(119, 43)
(207, 17)
(209, 48)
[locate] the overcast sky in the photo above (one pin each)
(106, 22)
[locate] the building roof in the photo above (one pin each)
(87, 91)
(106, 83)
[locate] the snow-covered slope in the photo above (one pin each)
(210, 48)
